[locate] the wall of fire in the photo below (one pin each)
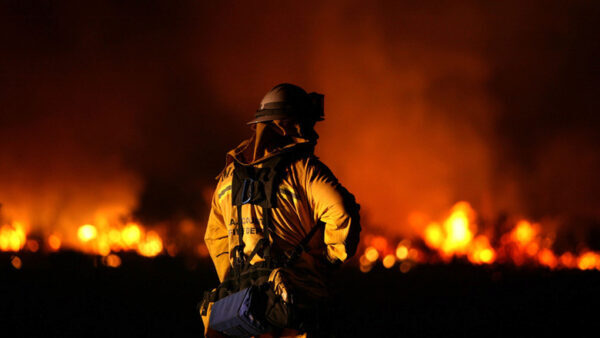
(461, 132)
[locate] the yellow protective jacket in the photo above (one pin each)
(308, 193)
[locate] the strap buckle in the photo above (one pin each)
(238, 255)
(247, 188)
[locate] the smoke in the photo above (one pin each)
(131, 108)
(407, 112)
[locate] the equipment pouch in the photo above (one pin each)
(278, 312)
(240, 314)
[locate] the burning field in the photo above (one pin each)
(467, 131)
(526, 244)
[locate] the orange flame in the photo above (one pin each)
(481, 252)
(12, 237)
(588, 261)
(54, 242)
(457, 232)
(523, 233)
(454, 236)
(105, 240)
(458, 237)
(87, 232)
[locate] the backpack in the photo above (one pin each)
(245, 303)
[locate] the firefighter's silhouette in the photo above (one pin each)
(280, 221)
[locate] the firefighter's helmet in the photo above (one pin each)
(288, 101)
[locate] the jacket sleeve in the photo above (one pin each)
(216, 239)
(333, 205)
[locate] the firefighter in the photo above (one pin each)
(279, 215)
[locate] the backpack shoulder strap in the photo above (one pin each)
(259, 186)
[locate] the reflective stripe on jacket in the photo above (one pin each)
(308, 193)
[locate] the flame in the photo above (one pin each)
(102, 237)
(523, 233)
(401, 252)
(12, 237)
(457, 237)
(458, 234)
(106, 239)
(131, 235)
(434, 236)
(152, 246)
(371, 254)
(87, 232)
(568, 260)
(588, 261)
(481, 252)
(389, 261)
(547, 258)
(54, 242)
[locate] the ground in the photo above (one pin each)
(72, 295)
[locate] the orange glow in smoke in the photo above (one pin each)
(415, 152)
(380, 243)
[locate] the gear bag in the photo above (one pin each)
(245, 303)
(235, 315)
